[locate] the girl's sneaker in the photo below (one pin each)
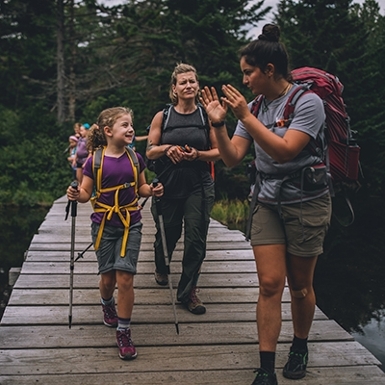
(110, 318)
(126, 347)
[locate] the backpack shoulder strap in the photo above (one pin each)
(134, 158)
(293, 99)
(166, 116)
(256, 105)
(96, 165)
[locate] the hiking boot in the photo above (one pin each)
(126, 347)
(193, 303)
(161, 279)
(110, 318)
(295, 367)
(264, 378)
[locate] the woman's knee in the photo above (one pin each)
(125, 280)
(271, 286)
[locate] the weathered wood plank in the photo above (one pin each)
(91, 281)
(91, 314)
(158, 295)
(145, 255)
(362, 375)
(168, 358)
(203, 333)
(90, 267)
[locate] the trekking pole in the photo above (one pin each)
(73, 205)
(80, 255)
(158, 204)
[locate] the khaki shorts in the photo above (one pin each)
(302, 227)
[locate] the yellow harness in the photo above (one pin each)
(123, 212)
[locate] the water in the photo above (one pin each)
(349, 279)
(17, 228)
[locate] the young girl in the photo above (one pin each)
(73, 141)
(117, 254)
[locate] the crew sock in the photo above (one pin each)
(124, 323)
(299, 344)
(267, 360)
(108, 302)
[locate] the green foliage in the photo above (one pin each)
(230, 212)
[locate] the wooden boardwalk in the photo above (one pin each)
(218, 348)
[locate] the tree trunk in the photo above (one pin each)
(60, 63)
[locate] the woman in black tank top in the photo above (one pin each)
(183, 147)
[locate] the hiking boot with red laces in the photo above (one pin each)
(193, 303)
(110, 317)
(126, 347)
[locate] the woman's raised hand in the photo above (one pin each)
(236, 101)
(210, 101)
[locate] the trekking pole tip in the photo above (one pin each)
(177, 328)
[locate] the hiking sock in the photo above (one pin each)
(267, 360)
(299, 344)
(108, 302)
(124, 323)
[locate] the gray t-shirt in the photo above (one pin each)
(308, 117)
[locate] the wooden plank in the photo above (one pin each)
(203, 333)
(167, 358)
(159, 295)
(145, 255)
(91, 314)
(91, 281)
(90, 267)
(362, 375)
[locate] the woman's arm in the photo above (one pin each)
(281, 149)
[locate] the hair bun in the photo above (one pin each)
(270, 32)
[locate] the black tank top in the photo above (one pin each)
(185, 177)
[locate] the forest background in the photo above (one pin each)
(65, 61)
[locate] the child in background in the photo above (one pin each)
(117, 255)
(81, 152)
(73, 140)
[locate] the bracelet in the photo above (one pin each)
(218, 124)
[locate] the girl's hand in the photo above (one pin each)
(157, 190)
(236, 101)
(72, 193)
(210, 101)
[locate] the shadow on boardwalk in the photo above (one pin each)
(219, 347)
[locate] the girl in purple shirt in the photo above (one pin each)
(117, 221)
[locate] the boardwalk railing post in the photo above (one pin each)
(158, 205)
(73, 206)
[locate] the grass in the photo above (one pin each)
(230, 212)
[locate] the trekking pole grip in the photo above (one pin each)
(74, 204)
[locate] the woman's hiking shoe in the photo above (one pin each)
(110, 318)
(161, 279)
(193, 303)
(264, 378)
(295, 367)
(126, 347)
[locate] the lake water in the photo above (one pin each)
(349, 279)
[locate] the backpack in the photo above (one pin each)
(341, 150)
(152, 164)
(99, 207)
